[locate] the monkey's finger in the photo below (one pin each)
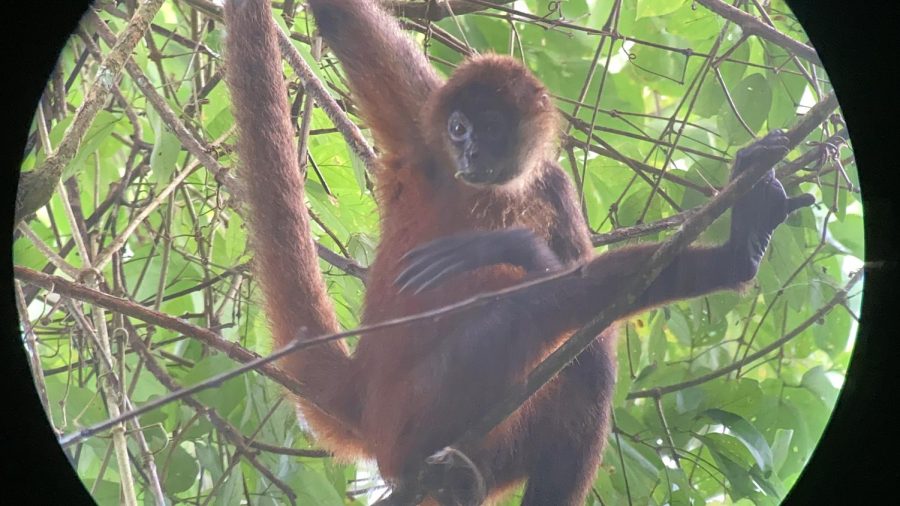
(795, 203)
(431, 275)
(422, 263)
(437, 245)
(448, 271)
(426, 269)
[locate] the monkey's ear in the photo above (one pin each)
(544, 101)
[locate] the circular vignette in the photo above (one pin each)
(870, 306)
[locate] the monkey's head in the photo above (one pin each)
(493, 122)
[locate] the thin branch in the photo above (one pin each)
(838, 298)
(625, 233)
(257, 363)
(436, 11)
(197, 148)
(36, 187)
(232, 434)
(124, 306)
(752, 25)
(689, 230)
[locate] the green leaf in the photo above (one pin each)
(656, 347)
(164, 154)
(817, 382)
(224, 397)
(209, 459)
(181, 470)
(99, 132)
(733, 460)
(314, 488)
(781, 446)
(849, 233)
(230, 492)
(752, 98)
(752, 439)
(647, 8)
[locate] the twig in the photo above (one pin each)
(752, 25)
(665, 253)
(200, 150)
(232, 434)
(293, 452)
(36, 187)
(191, 143)
(313, 86)
(56, 260)
(134, 310)
(838, 298)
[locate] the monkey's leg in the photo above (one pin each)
(571, 429)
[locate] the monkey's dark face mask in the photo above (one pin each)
(483, 142)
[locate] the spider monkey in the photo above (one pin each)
(468, 183)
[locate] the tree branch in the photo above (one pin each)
(436, 11)
(751, 25)
(37, 186)
(233, 435)
(838, 298)
(128, 308)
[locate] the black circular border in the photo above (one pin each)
(856, 460)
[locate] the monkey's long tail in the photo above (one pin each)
(286, 260)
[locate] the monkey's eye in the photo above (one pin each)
(458, 127)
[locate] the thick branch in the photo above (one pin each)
(36, 187)
(128, 308)
(751, 25)
(436, 11)
(667, 251)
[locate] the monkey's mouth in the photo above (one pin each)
(477, 174)
(474, 178)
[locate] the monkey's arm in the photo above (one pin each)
(441, 258)
(389, 76)
(569, 242)
(695, 272)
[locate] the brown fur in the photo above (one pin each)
(285, 254)
(407, 392)
(365, 405)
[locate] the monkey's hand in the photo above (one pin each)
(437, 260)
(759, 212)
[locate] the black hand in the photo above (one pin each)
(756, 215)
(439, 259)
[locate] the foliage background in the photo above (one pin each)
(133, 181)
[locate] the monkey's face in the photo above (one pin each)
(492, 123)
(482, 145)
(483, 136)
